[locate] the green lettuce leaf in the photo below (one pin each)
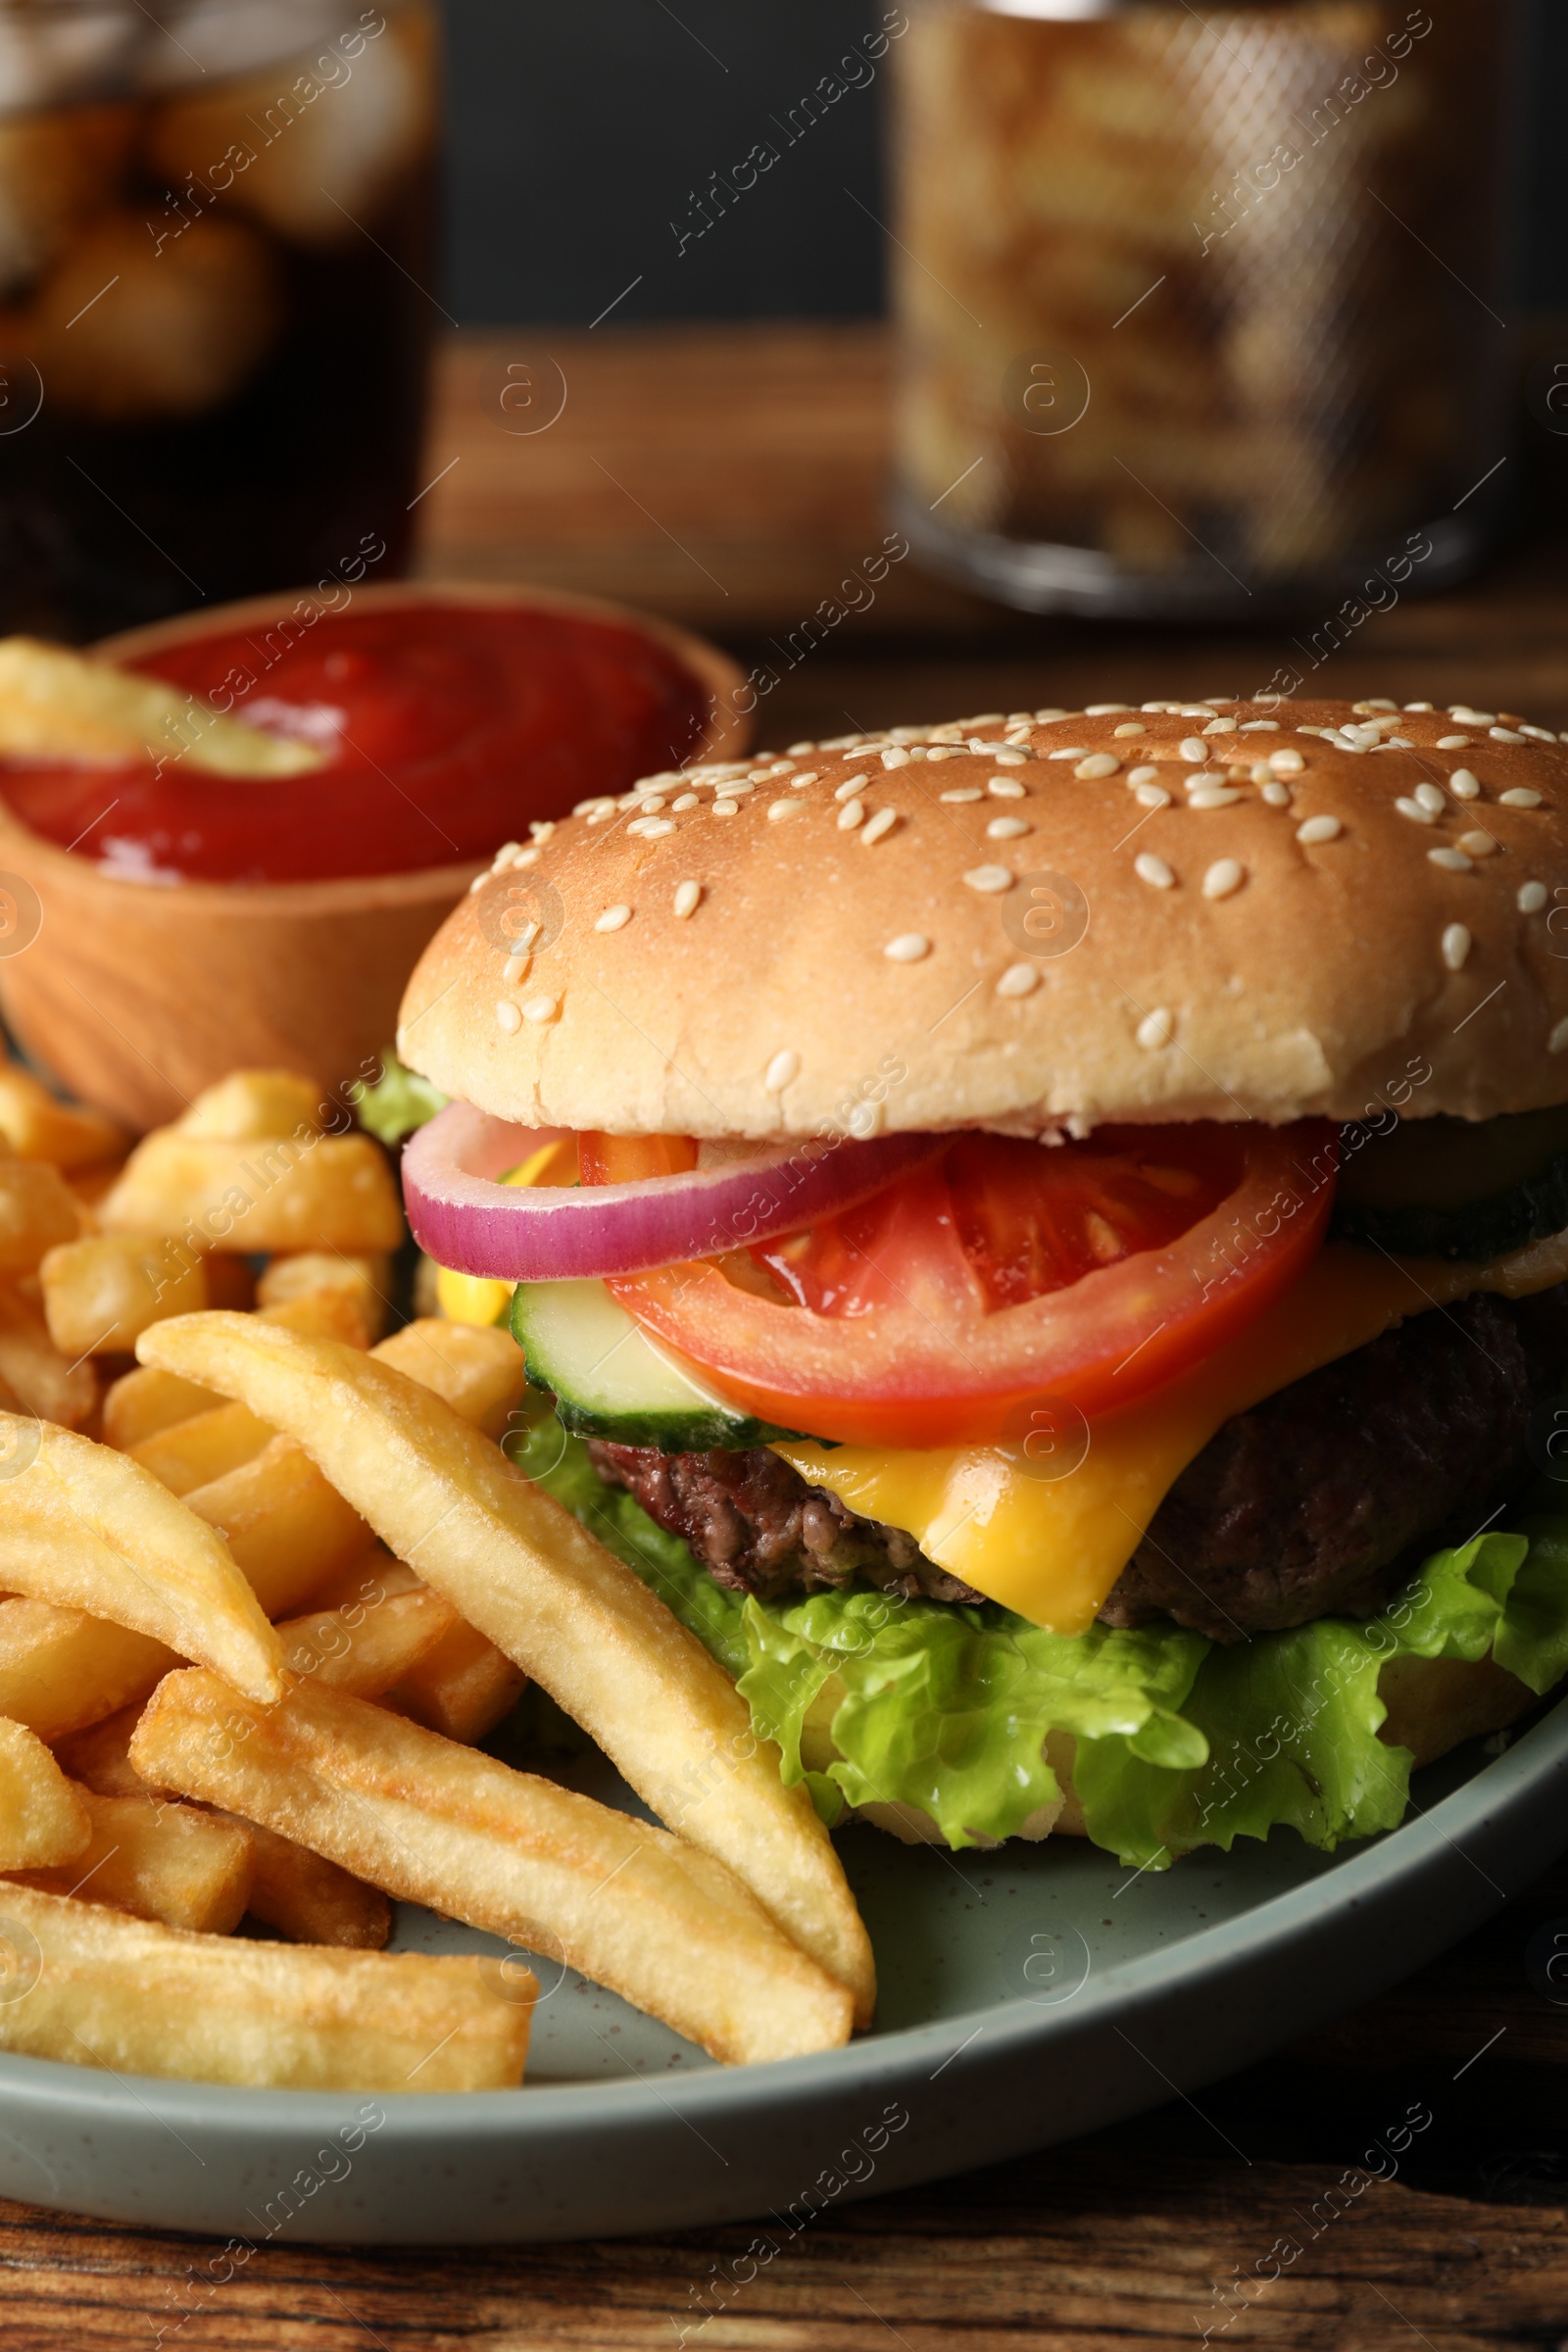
(1179, 1743)
(399, 1101)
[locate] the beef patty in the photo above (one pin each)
(1317, 1502)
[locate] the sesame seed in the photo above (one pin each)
(1289, 762)
(1523, 796)
(1071, 751)
(540, 1009)
(897, 756)
(1479, 844)
(1278, 796)
(525, 938)
(1531, 898)
(1133, 726)
(1452, 861)
(1104, 709)
(478, 883)
(600, 817)
(798, 750)
(1318, 829)
(1430, 797)
(1414, 811)
(540, 829)
(507, 1017)
(1453, 743)
(1463, 785)
(1220, 727)
(1191, 748)
(1376, 702)
(687, 800)
(651, 802)
(1537, 734)
(1007, 759)
(1507, 735)
(1261, 726)
(1153, 870)
(842, 792)
(688, 895)
(508, 849)
(1558, 1039)
(1157, 1029)
(780, 1070)
(1007, 788)
(777, 811)
(1099, 764)
(1472, 719)
(651, 828)
(1418, 705)
(883, 822)
(726, 807)
(1006, 828)
(1223, 878)
(1019, 980)
(1213, 795)
(1456, 945)
(530, 856)
(964, 791)
(851, 813)
(589, 808)
(1151, 796)
(514, 968)
(907, 948)
(613, 919)
(1142, 775)
(1045, 718)
(797, 783)
(989, 880)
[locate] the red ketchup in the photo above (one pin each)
(448, 727)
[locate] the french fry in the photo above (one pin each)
(39, 1127)
(114, 1991)
(520, 1568)
(57, 704)
(206, 1447)
(101, 1294)
(431, 1822)
(89, 1529)
(368, 1279)
(367, 1645)
(172, 1863)
(36, 1213)
(62, 1669)
(250, 1106)
(146, 1401)
(461, 1688)
(43, 1819)
(478, 1371)
(304, 1897)
(331, 1192)
(49, 1385)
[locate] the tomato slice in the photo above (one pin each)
(999, 1275)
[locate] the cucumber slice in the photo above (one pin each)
(611, 1380)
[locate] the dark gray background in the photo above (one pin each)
(580, 127)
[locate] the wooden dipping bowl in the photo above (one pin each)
(137, 995)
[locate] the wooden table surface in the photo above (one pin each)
(731, 478)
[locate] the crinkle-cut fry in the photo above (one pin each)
(301, 1894)
(627, 1904)
(39, 1127)
(89, 1529)
(461, 1688)
(146, 1401)
(206, 1447)
(252, 1106)
(175, 1863)
(479, 1370)
(367, 1645)
(369, 1279)
(101, 1293)
(43, 1818)
(520, 1568)
(36, 1215)
(48, 1383)
(333, 1192)
(63, 1669)
(125, 1993)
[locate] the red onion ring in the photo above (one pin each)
(463, 1219)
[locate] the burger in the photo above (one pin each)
(1044, 1240)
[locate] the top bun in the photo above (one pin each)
(1217, 910)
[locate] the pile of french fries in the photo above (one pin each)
(269, 1580)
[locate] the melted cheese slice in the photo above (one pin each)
(1052, 1546)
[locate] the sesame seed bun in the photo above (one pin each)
(1180, 911)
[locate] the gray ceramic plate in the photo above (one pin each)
(1026, 1997)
